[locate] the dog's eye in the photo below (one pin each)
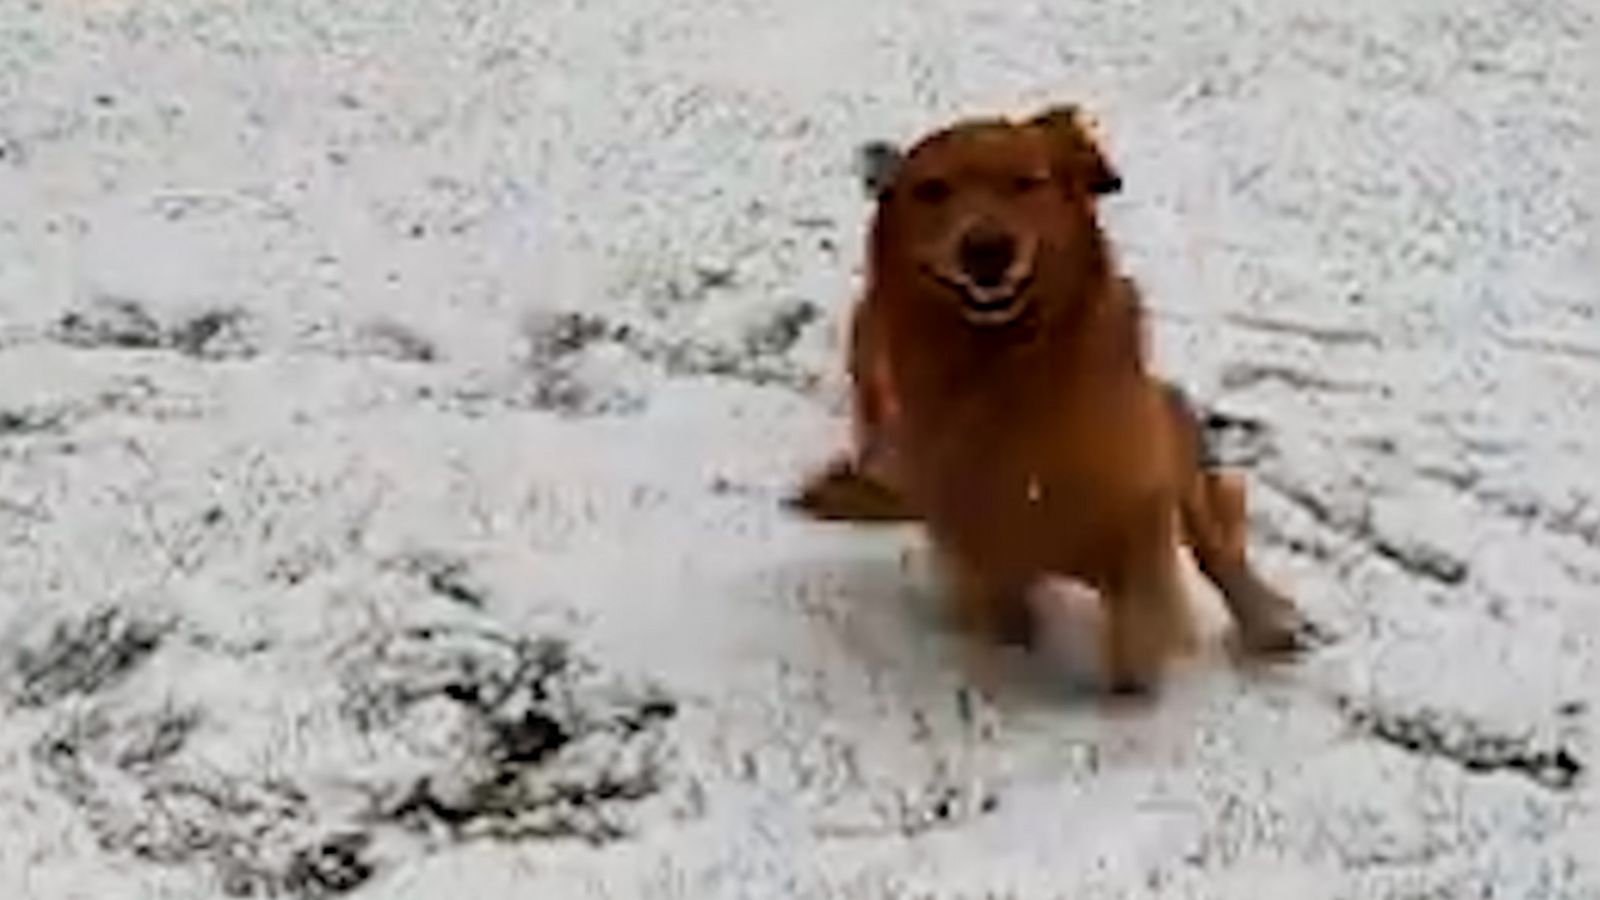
(1025, 184)
(931, 190)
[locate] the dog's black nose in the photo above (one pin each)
(987, 254)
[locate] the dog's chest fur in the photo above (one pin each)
(1027, 454)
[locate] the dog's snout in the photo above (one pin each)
(987, 253)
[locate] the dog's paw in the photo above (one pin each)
(1286, 634)
(843, 493)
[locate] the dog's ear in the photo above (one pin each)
(1075, 151)
(876, 165)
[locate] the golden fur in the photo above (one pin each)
(1002, 397)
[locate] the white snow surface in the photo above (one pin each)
(356, 358)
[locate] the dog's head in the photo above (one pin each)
(986, 210)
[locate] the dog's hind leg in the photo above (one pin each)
(1216, 526)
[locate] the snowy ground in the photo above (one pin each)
(395, 398)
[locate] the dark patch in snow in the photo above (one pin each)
(393, 340)
(946, 806)
(84, 656)
(699, 284)
(1242, 375)
(710, 278)
(691, 359)
(1420, 559)
(546, 747)
(554, 337)
(507, 738)
(556, 342)
(783, 329)
(1578, 519)
(335, 866)
(1320, 333)
(447, 577)
(1355, 523)
(569, 333)
(127, 325)
(1468, 744)
(123, 324)
(26, 421)
(152, 740)
(214, 334)
(723, 486)
(152, 807)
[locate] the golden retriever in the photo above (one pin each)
(1002, 396)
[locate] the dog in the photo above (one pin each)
(860, 487)
(1002, 397)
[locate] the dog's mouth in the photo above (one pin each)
(983, 304)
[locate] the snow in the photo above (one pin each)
(354, 356)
